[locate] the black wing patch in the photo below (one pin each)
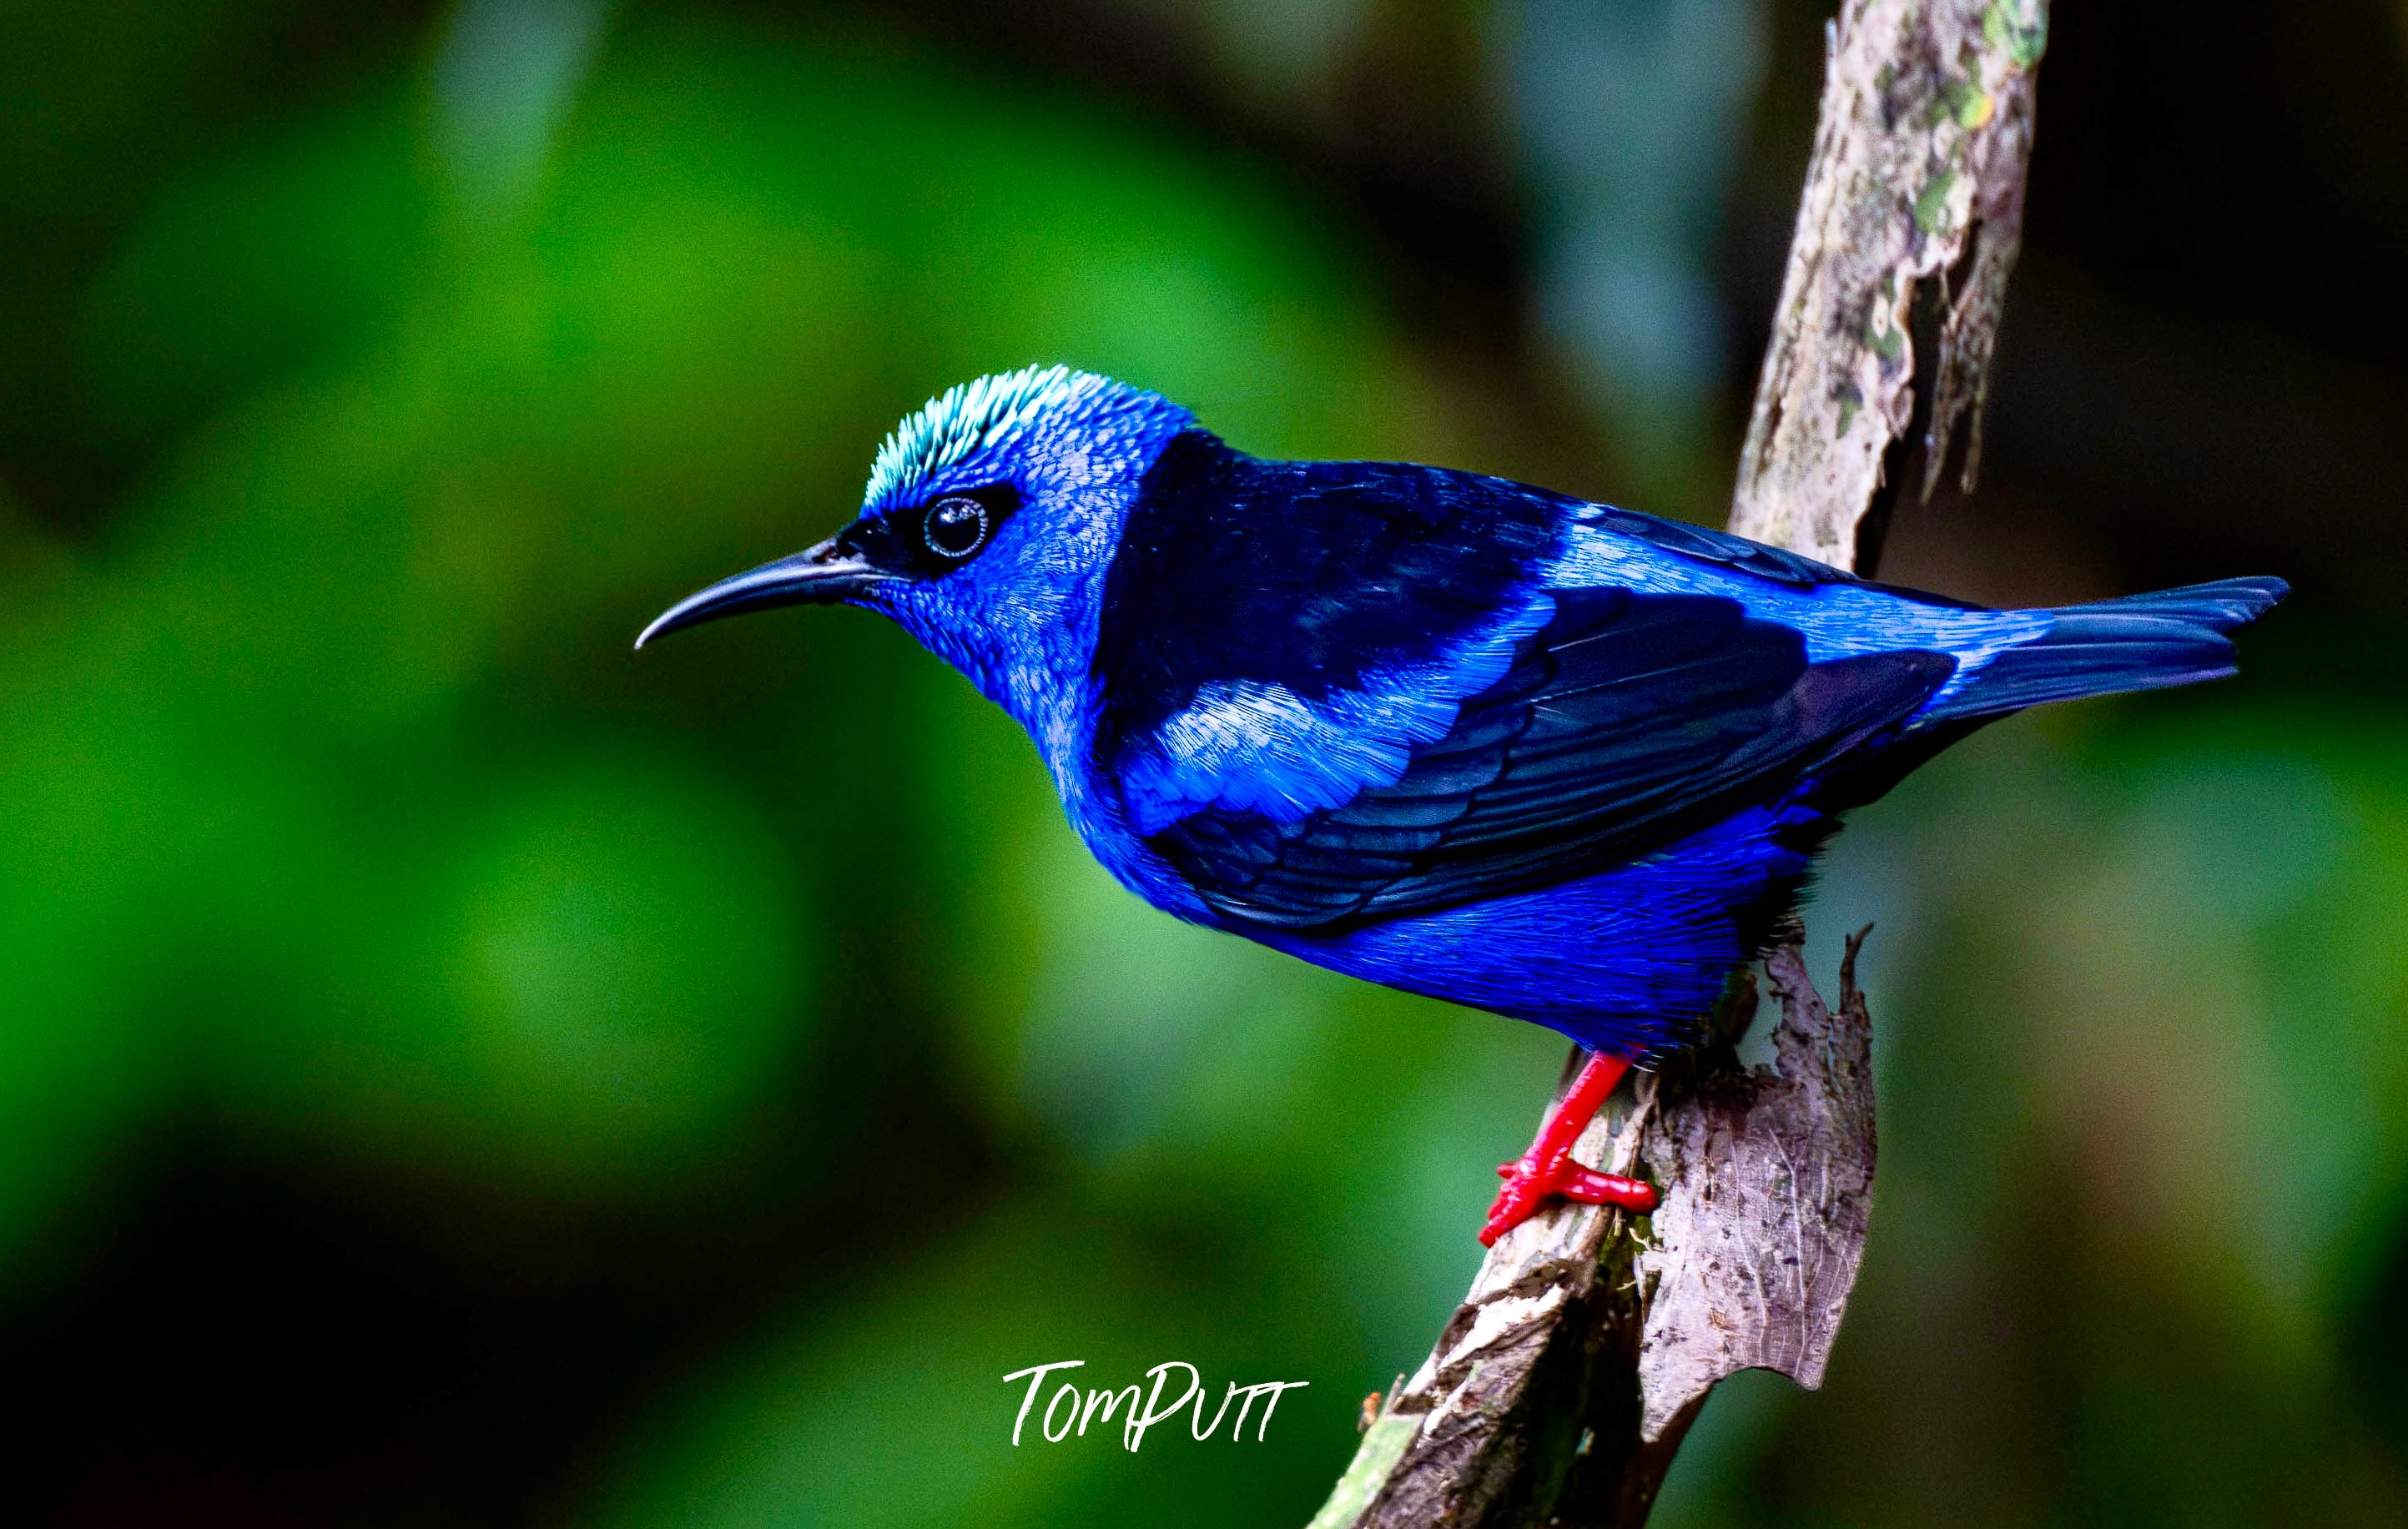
(1302, 574)
(1630, 722)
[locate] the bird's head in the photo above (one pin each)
(990, 518)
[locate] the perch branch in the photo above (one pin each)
(1560, 1389)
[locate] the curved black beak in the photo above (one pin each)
(817, 576)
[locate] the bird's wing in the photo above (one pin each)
(1628, 721)
(1276, 635)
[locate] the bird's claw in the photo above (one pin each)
(1547, 1169)
(1528, 1182)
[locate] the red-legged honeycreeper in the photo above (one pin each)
(1463, 736)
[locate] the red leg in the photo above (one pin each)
(1547, 1169)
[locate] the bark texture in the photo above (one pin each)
(1559, 1391)
(1915, 194)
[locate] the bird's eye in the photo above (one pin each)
(955, 528)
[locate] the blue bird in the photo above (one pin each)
(1466, 737)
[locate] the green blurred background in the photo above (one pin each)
(454, 1070)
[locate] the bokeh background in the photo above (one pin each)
(455, 1070)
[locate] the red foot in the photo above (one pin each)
(1547, 1169)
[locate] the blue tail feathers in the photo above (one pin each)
(2137, 642)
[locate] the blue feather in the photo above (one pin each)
(2138, 642)
(1627, 961)
(1254, 745)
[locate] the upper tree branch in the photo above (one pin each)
(1917, 178)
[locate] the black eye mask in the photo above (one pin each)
(927, 541)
